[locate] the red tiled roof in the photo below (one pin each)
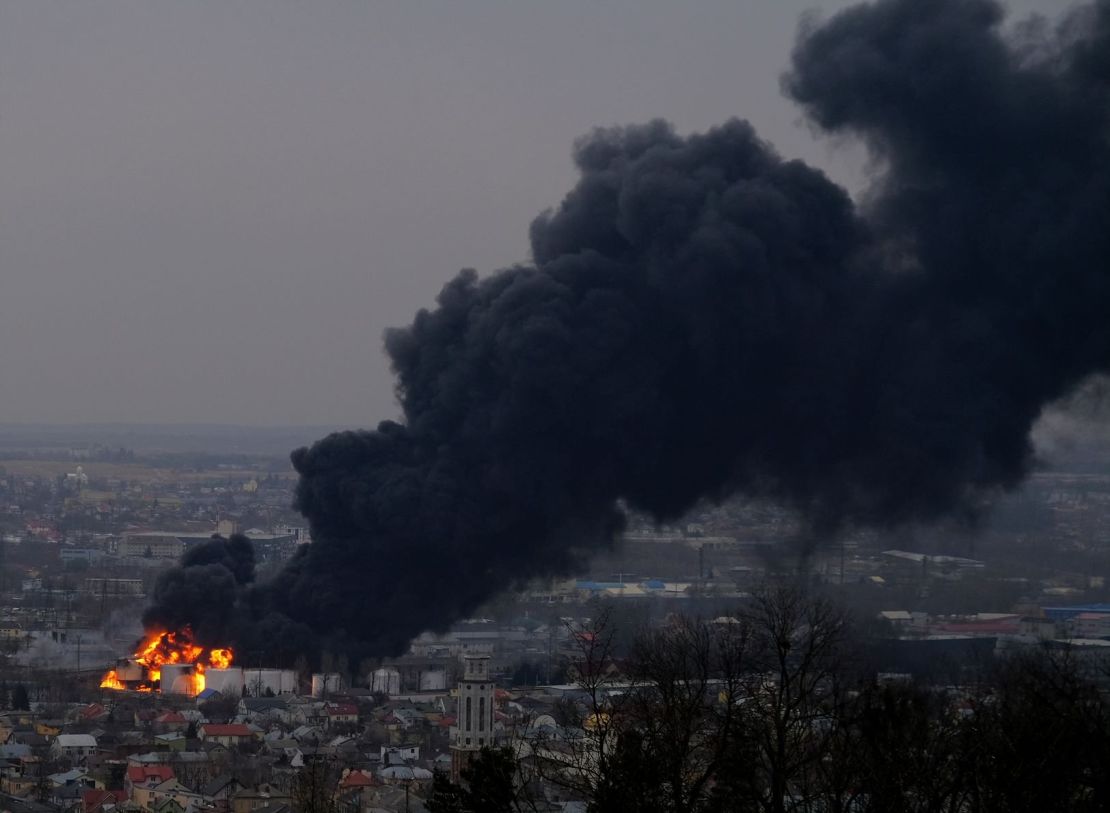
(170, 717)
(356, 779)
(92, 800)
(342, 709)
(228, 730)
(141, 773)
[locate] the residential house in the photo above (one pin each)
(263, 711)
(49, 728)
(341, 714)
(101, 801)
(226, 734)
(356, 780)
(67, 788)
(140, 779)
(174, 741)
(399, 755)
(145, 717)
(253, 799)
(17, 784)
(169, 721)
(405, 717)
(172, 790)
(219, 791)
(167, 804)
(307, 734)
(31, 738)
(308, 713)
(15, 751)
(404, 775)
(94, 712)
(74, 747)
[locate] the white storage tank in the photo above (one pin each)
(289, 681)
(177, 678)
(433, 680)
(128, 671)
(228, 682)
(325, 684)
(263, 682)
(386, 680)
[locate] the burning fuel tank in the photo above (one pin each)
(128, 671)
(179, 678)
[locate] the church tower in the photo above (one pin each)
(473, 729)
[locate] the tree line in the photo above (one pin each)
(777, 708)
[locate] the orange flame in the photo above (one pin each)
(161, 648)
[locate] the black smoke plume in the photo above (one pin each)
(704, 318)
(203, 590)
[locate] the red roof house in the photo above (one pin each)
(145, 776)
(94, 801)
(225, 734)
(357, 779)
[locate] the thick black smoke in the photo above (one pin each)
(704, 318)
(203, 590)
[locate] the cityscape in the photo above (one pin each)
(555, 408)
(97, 723)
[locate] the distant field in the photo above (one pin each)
(135, 472)
(174, 438)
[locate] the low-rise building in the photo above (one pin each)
(228, 734)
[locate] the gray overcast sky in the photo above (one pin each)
(210, 211)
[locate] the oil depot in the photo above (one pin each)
(171, 662)
(237, 681)
(232, 681)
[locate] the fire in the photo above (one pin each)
(143, 671)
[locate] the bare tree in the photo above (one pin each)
(680, 716)
(895, 748)
(1038, 737)
(578, 755)
(658, 725)
(730, 714)
(315, 784)
(794, 659)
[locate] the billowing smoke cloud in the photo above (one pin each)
(203, 590)
(704, 318)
